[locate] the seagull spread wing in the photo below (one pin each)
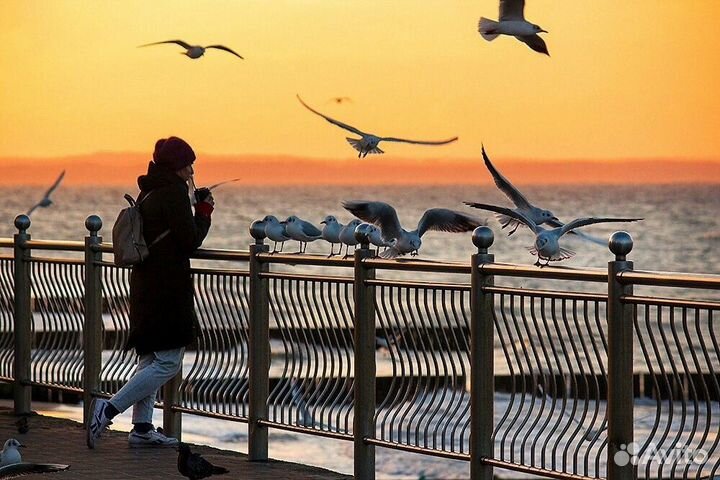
(178, 42)
(506, 211)
(421, 142)
(584, 236)
(29, 212)
(55, 185)
(223, 47)
(535, 42)
(581, 222)
(444, 220)
(212, 187)
(332, 120)
(505, 186)
(378, 213)
(512, 10)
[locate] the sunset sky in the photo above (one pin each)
(626, 80)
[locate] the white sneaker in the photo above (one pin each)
(97, 423)
(152, 438)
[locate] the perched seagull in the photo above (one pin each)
(522, 205)
(46, 202)
(10, 454)
(194, 466)
(385, 217)
(193, 51)
(276, 231)
(547, 245)
(347, 236)
(302, 231)
(376, 238)
(331, 233)
(512, 22)
(368, 143)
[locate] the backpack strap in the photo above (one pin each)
(131, 201)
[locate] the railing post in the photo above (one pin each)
(620, 320)
(482, 370)
(259, 347)
(364, 360)
(93, 328)
(23, 318)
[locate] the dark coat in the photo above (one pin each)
(162, 312)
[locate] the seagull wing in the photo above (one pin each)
(378, 213)
(26, 468)
(584, 236)
(223, 47)
(29, 212)
(178, 42)
(506, 211)
(421, 142)
(581, 222)
(212, 187)
(444, 220)
(505, 186)
(512, 10)
(55, 185)
(309, 229)
(535, 42)
(332, 120)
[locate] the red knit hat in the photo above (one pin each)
(173, 153)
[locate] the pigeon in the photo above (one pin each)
(331, 233)
(194, 466)
(275, 231)
(512, 22)
(347, 236)
(10, 454)
(384, 216)
(46, 202)
(368, 143)
(547, 245)
(522, 205)
(193, 51)
(302, 231)
(22, 425)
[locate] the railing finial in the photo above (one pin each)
(620, 243)
(93, 223)
(257, 231)
(362, 235)
(483, 238)
(22, 223)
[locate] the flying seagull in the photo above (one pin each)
(522, 205)
(512, 22)
(46, 202)
(193, 51)
(547, 246)
(194, 466)
(368, 143)
(403, 241)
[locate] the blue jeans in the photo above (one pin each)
(152, 372)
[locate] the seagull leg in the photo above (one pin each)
(514, 229)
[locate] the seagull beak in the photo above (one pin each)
(556, 219)
(543, 31)
(324, 222)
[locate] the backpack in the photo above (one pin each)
(129, 246)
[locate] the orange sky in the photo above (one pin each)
(626, 80)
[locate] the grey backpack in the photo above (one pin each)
(129, 246)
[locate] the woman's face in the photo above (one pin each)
(186, 172)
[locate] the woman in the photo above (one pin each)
(162, 314)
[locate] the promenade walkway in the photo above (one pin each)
(57, 440)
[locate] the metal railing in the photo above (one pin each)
(443, 359)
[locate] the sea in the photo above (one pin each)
(680, 232)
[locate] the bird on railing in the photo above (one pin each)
(194, 466)
(376, 238)
(10, 453)
(302, 231)
(193, 51)
(276, 231)
(331, 233)
(538, 215)
(384, 216)
(368, 143)
(547, 246)
(46, 201)
(347, 236)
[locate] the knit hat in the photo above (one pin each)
(173, 153)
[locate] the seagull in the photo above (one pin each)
(10, 454)
(27, 468)
(302, 231)
(368, 143)
(512, 22)
(331, 233)
(275, 231)
(384, 216)
(547, 245)
(537, 215)
(340, 99)
(193, 51)
(347, 236)
(376, 238)
(46, 202)
(194, 466)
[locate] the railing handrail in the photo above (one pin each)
(669, 279)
